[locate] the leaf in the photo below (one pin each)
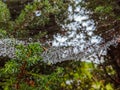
(109, 87)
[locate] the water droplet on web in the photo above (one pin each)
(37, 13)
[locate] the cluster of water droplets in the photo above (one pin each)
(7, 47)
(56, 54)
(60, 54)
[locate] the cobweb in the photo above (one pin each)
(79, 43)
(56, 54)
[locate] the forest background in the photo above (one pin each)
(59, 45)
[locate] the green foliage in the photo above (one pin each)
(17, 74)
(26, 56)
(10, 67)
(4, 12)
(24, 73)
(30, 53)
(38, 14)
(84, 77)
(4, 15)
(32, 18)
(103, 9)
(3, 33)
